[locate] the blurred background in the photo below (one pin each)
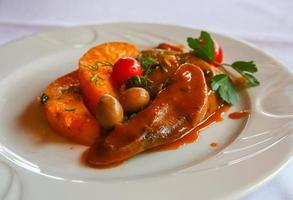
(268, 24)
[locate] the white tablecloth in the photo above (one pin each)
(266, 23)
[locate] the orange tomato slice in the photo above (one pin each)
(95, 68)
(66, 112)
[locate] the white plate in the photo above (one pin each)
(36, 165)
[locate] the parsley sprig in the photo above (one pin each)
(203, 47)
(224, 86)
(246, 69)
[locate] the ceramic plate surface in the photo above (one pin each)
(35, 163)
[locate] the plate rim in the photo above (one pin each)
(256, 185)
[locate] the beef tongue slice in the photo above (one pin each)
(175, 111)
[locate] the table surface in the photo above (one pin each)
(268, 24)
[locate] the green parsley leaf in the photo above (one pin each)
(148, 64)
(208, 44)
(250, 79)
(244, 66)
(246, 69)
(225, 88)
(202, 47)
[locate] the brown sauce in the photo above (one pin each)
(193, 135)
(214, 144)
(238, 115)
(171, 47)
(187, 139)
(84, 162)
(143, 131)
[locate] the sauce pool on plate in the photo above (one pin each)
(214, 144)
(193, 135)
(239, 115)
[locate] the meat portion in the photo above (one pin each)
(171, 60)
(176, 110)
(171, 47)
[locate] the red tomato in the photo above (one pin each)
(218, 53)
(125, 68)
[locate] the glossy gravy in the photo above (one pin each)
(84, 162)
(187, 139)
(239, 115)
(193, 135)
(214, 144)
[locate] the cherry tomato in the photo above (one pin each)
(125, 68)
(218, 53)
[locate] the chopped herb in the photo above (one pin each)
(148, 64)
(105, 63)
(44, 98)
(224, 86)
(96, 79)
(96, 66)
(138, 81)
(141, 81)
(70, 109)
